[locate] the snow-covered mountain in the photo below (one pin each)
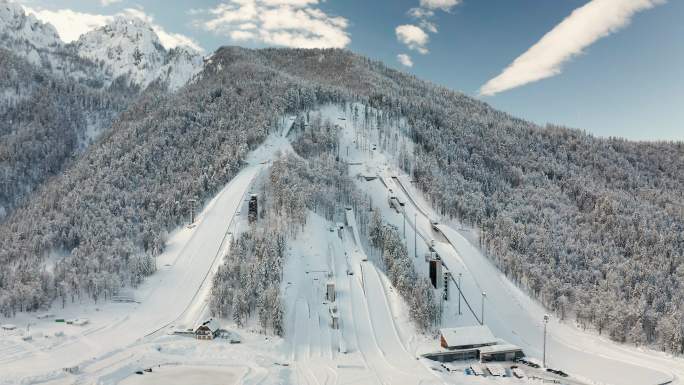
(56, 99)
(130, 47)
(27, 36)
(126, 47)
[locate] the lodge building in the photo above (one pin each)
(207, 330)
(473, 343)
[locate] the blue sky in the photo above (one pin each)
(613, 67)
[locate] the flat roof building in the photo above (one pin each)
(503, 352)
(467, 337)
(472, 343)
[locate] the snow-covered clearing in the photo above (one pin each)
(183, 375)
(508, 311)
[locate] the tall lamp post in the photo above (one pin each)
(403, 209)
(459, 293)
(484, 295)
(546, 321)
(415, 235)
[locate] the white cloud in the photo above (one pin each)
(288, 23)
(106, 3)
(421, 13)
(416, 37)
(72, 24)
(584, 26)
(429, 26)
(413, 36)
(444, 5)
(405, 60)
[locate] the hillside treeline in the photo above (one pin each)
(592, 227)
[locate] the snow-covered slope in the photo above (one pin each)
(130, 47)
(180, 67)
(176, 294)
(508, 311)
(25, 35)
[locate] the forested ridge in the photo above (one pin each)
(98, 226)
(46, 121)
(592, 227)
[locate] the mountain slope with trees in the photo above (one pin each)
(46, 122)
(56, 98)
(591, 227)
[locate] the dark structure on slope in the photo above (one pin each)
(253, 208)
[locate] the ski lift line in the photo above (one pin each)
(464, 298)
(410, 197)
(413, 226)
(498, 277)
(382, 180)
(218, 252)
(453, 279)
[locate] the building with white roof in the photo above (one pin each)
(473, 343)
(467, 337)
(207, 330)
(502, 352)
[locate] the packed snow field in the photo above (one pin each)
(367, 347)
(363, 336)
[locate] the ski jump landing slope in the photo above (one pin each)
(171, 291)
(367, 349)
(509, 312)
(512, 315)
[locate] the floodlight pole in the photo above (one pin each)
(459, 293)
(415, 235)
(404, 215)
(546, 321)
(484, 295)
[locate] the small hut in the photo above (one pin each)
(207, 330)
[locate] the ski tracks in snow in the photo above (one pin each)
(367, 348)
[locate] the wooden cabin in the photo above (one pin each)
(207, 330)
